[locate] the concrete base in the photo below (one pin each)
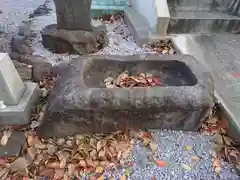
(20, 114)
(140, 29)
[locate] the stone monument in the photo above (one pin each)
(17, 98)
(74, 32)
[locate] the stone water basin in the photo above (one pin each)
(80, 103)
(171, 73)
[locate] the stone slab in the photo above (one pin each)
(14, 145)
(221, 54)
(202, 22)
(78, 104)
(20, 114)
(11, 85)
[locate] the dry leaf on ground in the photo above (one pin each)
(195, 158)
(5, 137)
(153, 146)
(99, 169)
(161, 163)
(217, 162)
(217, 170)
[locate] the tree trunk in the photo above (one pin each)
(74, 14)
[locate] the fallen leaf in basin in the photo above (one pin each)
(186, 167)
(51, 149)
(53, 165)
(71, 169)
(5, 137)
(59, 173)
(161, 163)
(30, 140)
(82, 163)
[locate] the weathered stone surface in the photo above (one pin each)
(80, 103)
(74, 41)
(15, 55)
(74, 14)
(206, 16)
(24, 70)
(19, 45)
(14, 145)
(40, 66)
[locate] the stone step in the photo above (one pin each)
(203, 22)
(203, 4)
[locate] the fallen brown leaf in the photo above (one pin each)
(59, 173)
(195, 158)
(217, 170)
(153, 146)
(53, 165)
(5, 137)
(30, 140)
(124, 177)
(217, 162)
(99, 169)
(101, 177)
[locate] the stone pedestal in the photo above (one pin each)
(74, 32)
(19, 98)
(80, 103)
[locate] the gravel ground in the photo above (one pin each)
(171, 144)
(172, 149)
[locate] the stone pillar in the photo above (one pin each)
(11, 84)
(73, 14)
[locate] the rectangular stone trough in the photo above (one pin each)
(80, 102)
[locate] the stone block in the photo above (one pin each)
(24, 70)
(14, 145)
(20, 114)
(138, 26)
(163, 16)
(80, 103)
(11, 85)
